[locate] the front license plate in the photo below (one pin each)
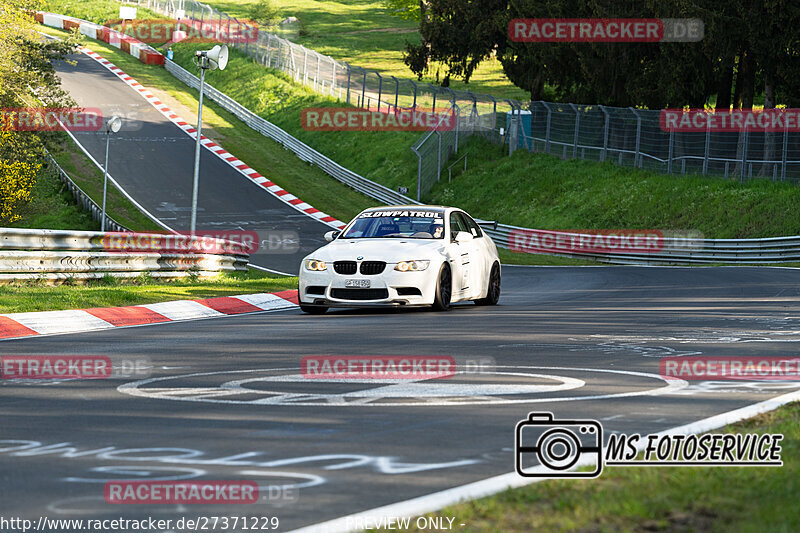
(360, 283)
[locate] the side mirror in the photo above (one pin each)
(331, 235)
(464, 236)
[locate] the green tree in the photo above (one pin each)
(748, 44)
(27, 79)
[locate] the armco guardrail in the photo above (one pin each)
(680, 250)
(81, 197)
(59, 255)
(299, 148)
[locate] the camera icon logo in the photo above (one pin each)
(545, 447)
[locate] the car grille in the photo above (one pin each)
(371, 268)
(360, 294)
(344, 267)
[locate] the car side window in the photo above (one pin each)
(473, 226)
(456, 224)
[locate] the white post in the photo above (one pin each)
(105, 183)
(197, 151)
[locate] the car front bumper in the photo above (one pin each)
(390, 288)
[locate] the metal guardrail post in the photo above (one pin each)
(605, 132)
(744, 152)
(349, 74)
(439, 157)
(380, 89)
(269, 51)
(494, 119)
(295, 72)
(671, 150)
(513, 127)
(333, 73)
(419, 177)
(414, 105)
(396, 92)
(316, 75)
(637, 155)
(305, 66)
(785, 147)
(577, 129)
(363, 86)
(457, 113)
(547, 128)
(707, 149)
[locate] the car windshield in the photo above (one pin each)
(397, 224)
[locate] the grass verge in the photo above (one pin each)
(52, 206)
(109, 291)
(635, 499)
(544, 191)
(98, 11)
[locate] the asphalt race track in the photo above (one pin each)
(222, 399)
(153, 160)
(350, 450)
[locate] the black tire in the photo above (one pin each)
(313, 309)
(444, 289)
(493, 290)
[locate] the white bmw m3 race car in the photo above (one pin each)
(404, 255)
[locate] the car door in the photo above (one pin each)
(481, 257)
(464, 276)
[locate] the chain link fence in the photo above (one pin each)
(626, 136)
(634, 138)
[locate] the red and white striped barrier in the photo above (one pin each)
(14, 325)
(141, 51)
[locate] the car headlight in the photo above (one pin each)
(315, 265)
(412, 266)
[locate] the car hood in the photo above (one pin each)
(390, 250)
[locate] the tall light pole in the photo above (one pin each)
(112, 126)
(216, 58)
